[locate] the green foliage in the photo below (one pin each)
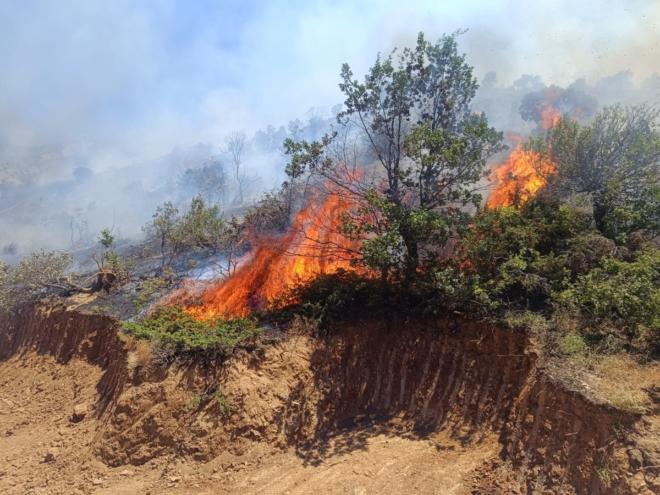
(194, 402)
(108, 259)
(516, 257)
(381, 222)
(413, 112)
(201, 227)
(307, 156)
(531, 321)
(106, 239)
(209, 181)
(150, 287)
(5, 289)
(572, 345)
(625, 295)
(332, 298)
(35, 276)
(270, 214)
(181, 335)
(223, 403)
(163, 227)
(219, 398)
(615, 162)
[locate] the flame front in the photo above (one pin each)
(519, 178)
(313, 246)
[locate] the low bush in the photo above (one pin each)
(330, 298)
(572, 345)
(620, 300)
(180, 335)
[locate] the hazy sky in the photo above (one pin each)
(131, 79)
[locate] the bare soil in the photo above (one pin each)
(401, 407)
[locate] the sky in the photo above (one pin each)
(122, 80)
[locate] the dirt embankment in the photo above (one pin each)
(443, 407)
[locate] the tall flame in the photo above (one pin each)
(313, 246)
(520, 177)
(549, 117)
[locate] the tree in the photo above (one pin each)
(615, 163)
(271, 213)
(110, 265)
(200, 227)
(162, 227)
(236, 144)
(413, 114)
(209, 181)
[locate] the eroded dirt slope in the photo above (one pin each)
(377, 408)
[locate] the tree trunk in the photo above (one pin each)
(412, 255)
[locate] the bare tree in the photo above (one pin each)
(235, 143)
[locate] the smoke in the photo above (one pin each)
(136, 92)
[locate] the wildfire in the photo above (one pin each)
(549, 117)
(519, 178)
(312, 247)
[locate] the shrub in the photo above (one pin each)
(330, 298)
(533, 322)
(38, 275)
(181, 335)
(572, 345)
(621, 296)
(223, 403)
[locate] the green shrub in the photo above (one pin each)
(572, 345)
(622, 297)
(331, 298)
(181, 335)
(527, 320)
(223, 403)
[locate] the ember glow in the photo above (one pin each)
(313, 246)
(519, 178)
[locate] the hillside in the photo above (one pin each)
(442, 407)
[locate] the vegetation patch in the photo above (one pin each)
(180, 335)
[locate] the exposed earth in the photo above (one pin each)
(442, 408)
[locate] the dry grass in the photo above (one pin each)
(140, 353)
(622, 382)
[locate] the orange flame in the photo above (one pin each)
(313, 246)
(519, 178)
(549, 117)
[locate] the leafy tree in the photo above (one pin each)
(271, 213)
(200, 227)
(106, 239)
(162, 228)
(413, 113)
(615, 162)
(5, 291)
